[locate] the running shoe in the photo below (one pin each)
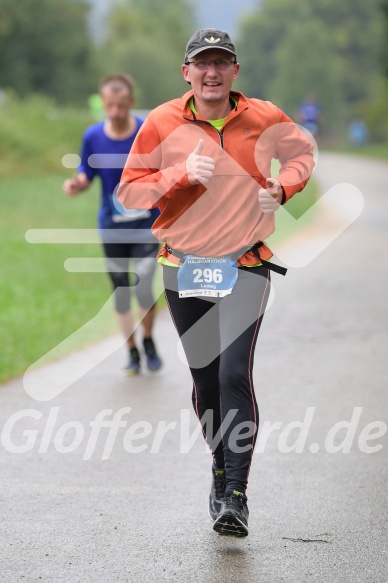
(153, 361)
(217, 492)
(133, 367)
(233, 518)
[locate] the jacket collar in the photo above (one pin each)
(242, 103)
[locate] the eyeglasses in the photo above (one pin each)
(204, 64)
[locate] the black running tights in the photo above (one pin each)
(219, 338)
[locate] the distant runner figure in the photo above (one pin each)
(125, 236)
(310, 113)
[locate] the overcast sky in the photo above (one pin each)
(223, 14)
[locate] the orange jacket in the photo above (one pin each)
(224, 216)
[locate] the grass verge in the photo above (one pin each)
(41, 304)
(376, 151)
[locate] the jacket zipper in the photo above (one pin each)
(220, 134)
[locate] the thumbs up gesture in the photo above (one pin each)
(199, 168)
(270, 198)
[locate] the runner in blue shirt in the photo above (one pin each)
(310, 114)
(125, 234)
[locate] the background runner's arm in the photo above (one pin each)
(77, 184)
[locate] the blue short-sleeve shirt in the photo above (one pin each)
(104, 157)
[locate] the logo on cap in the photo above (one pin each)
(212, 40)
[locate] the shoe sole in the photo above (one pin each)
(153, 370)
(230, 525)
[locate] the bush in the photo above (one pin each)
(35, 133)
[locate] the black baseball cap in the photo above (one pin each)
(209, 38)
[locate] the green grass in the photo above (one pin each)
(41, 303)
(35, 134)
(296, 207)
(302, 201)
(376, 151)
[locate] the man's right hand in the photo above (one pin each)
(199, 168)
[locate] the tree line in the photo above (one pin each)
(287, 48)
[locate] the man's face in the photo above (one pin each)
(116, 103)
(213, 84)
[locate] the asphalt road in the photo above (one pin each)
(79, 503)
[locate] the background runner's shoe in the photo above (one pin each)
(233, 518)
(133, 367)
(153, 361)
(217, 492)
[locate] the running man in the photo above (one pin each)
(125, 236)
(204, 160)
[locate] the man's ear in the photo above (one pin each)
(185, 73)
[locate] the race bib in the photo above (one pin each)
(122, 215)
(206, 276)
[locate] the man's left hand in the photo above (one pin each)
(270, 198)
